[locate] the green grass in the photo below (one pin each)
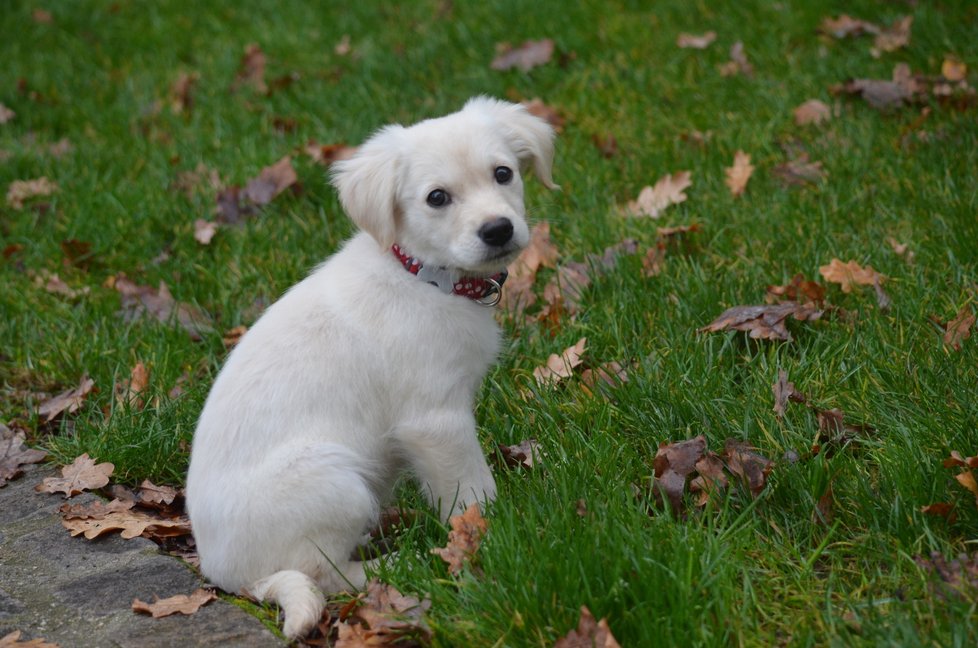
(742, 572)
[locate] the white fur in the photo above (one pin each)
(362, 371)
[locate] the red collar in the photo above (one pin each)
(483, 290)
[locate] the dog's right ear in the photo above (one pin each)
(367, 184)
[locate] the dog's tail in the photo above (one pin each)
(299, 597)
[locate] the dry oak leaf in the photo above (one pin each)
(608, 375)
(812, 111)
(150, 493)
(710, 477)
(845, 26)
(800, 171)
(251, 70)
(390, 616)
(464, 538)
(850, 274)
(885, 95)
(668, 190)
(98, 518)
(589, 634)
(55, 285)
(540, 252)
(527, 56)
(940, 509)
(68, 401)
(526, 454)
(131, 393)
(694, 41)
(547, 113)
(22, 190)
(272, 181)
(795, 290)
(738, 63)
(785, 391)
(953, 69)
(81, 475)
(139, 300)
(739, 173)
(14, 454)
(967, 479)
(959, 329)
(6, 114)
(181, 92)
(674, 463)
(763, 322)
(13, 640)
(179, 604)
(561, 366)
(204, 230)
(329, 153)
(742, 460)
(892, 38)
(957, 460)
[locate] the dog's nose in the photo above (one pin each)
(496, 232)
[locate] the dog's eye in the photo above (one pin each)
(503, 174)
(438, 198)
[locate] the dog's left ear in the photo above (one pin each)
(532, 138)
(367, 184)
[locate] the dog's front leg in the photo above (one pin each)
(444, 453)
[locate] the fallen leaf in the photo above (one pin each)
(739, 173)
(131, 392)
(589, 634)
(607, 144)
(894, 37)
(901, 249)
(668, 190)
(181, 92)
(798, 289)
(835, 432)
(13, 640)
(608, 375)
(693, 41)
(561, 366)
(709, 479)
(231, 208)
(98, 518)
(527, 56)
(957, 460)
(547, 113)
(251, 70)
(525, 454)
(179, 604)
(845, 26)
(953, 69)
(204, 231)
(738, 63)
(68, 401)
(343, 48)
(234, 335)
(956, 578)
(22, 190)
(540, 252)
(328, 153)
(967, 479)
(138, 301)
(763, 322)
(785, 391)
(654, 260)
(463, 539)
(391, 616)
(55, 285)
(674, 463)
(812, 111)
(940, 509)
(6, 114)
(61, 148)
(81, 475)
(959, 329)
(271, 182)
(800, 171)
(850, 274)
(14, 454)
(745, 462)
(150, 493)
(885, 95)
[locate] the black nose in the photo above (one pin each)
(496, 232)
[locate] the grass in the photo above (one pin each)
(741, 572)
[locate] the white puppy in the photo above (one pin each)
(369, 367)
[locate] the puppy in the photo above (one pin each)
(369, 367)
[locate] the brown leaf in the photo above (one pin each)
(901, 249)
(55, 285)
(967, 479)
(561, 366)
(653, 200)
(710, 477)
(738, 63)
(464, 538)
(674, 463)
(693, 41)
(131, 392)
(81, 475)
(153, 494)
(608, 375)
(272, 181)
(68, 401)
(835, 431)
(525, 57)
(98, 518)
(158, 303)
(13, 640)
(885, 95)
(234, 335)
(742, 460)
(940, 509)
(20, 191)
(540, 252)
(795, 290)
(179, 604)
(6, 114)
(589, 634)
(654, 260)
(957, 460)
(391, 615)
(812, 111)
(251, 70)
(739, 173)
(785, 391)
(14, 454)
(800, 171)
(547, 113)
(763, 322)
(850, 274)
(845, 26)
(328, 153)
(894, 37)
(204, 230)
(606, 143)
(181, 92)
(953, 69)
(959, 329)
(526, 454)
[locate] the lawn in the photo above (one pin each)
(831, 551)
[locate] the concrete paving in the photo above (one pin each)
(78, 593)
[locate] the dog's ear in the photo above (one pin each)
(367, 184)
(532, 138)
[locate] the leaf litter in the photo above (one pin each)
(463, 540)
(179, 604)
(14, 454)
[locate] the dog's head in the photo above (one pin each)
(450, 190)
